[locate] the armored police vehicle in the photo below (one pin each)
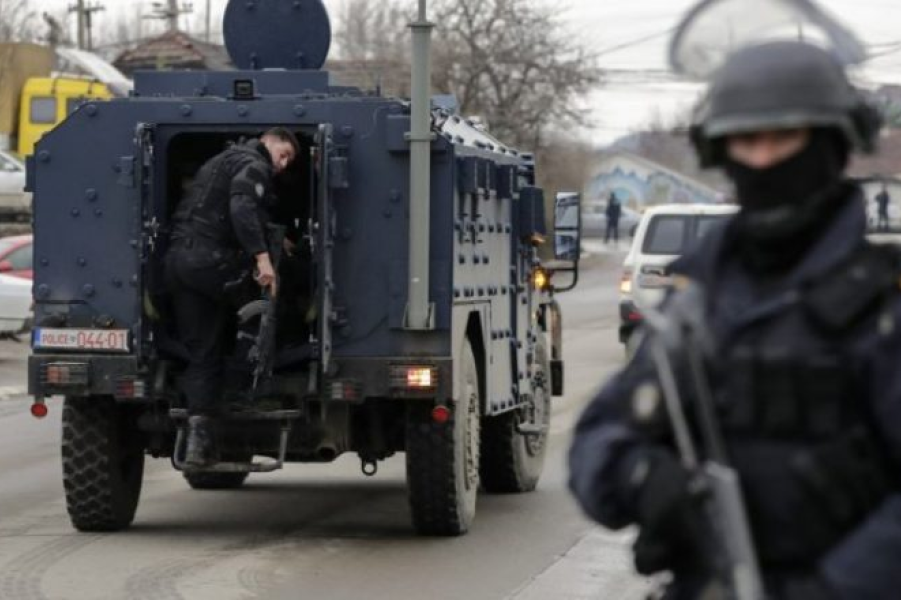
(422, 322)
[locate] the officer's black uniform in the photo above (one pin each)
(218, 229)
(804, 322)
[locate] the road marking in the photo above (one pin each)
(598, 566)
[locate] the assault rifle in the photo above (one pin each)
(737, 570)
(262, 353)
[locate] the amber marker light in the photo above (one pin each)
(540, 279)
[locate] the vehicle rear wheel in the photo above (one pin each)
(103, 463)
(443, 459)
(512, 460)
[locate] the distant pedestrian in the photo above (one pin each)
(882, 201)
(614, 211)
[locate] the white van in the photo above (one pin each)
(663, 235)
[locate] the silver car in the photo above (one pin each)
(13, 198)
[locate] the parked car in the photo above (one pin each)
(594, 220)
(663, 235)
(12, 175)
(15, 305)
(16, 256)
(15, 202)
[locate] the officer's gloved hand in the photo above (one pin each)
(672, 534)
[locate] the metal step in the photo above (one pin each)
(266, 466)
(181, 414)
(530, 429)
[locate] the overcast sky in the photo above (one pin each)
(630, 99)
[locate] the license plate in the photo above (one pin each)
(110, 340)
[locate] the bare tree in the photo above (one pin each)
(121, 33)
(18, 21)
(510, 62)
(373, 30)
(515, 64)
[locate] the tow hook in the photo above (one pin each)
(369, 467)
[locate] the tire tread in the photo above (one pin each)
(95, 500)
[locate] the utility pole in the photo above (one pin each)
(85, 13)
(173, 14)
(79, 9)
(170, 11)
(209, 19)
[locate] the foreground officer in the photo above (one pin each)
(219, 230)
(804, 321)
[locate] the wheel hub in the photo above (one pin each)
(536, 413)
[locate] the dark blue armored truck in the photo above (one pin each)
(422, 320)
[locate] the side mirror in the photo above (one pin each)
(568, 235)
(5, 266)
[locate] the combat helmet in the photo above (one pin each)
(782, 85)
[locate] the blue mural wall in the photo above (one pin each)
(640, 187)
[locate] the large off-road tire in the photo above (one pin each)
(103, 463)
(443, 459)
(512, 462)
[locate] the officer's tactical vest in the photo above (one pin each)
(793, 399)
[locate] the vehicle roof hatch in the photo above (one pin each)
(277, 34)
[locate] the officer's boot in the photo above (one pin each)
(201, 444)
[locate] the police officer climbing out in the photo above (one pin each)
(801, 330)
(219, 230)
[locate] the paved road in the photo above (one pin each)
(312, 531)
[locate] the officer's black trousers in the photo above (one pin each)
(205, 321)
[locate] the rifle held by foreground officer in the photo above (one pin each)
(716, 484)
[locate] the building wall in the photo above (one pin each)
(637, 185)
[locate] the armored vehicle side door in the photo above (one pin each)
(324, 237)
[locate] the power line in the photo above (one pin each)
(635, 42)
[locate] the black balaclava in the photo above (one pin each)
(784, 208)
